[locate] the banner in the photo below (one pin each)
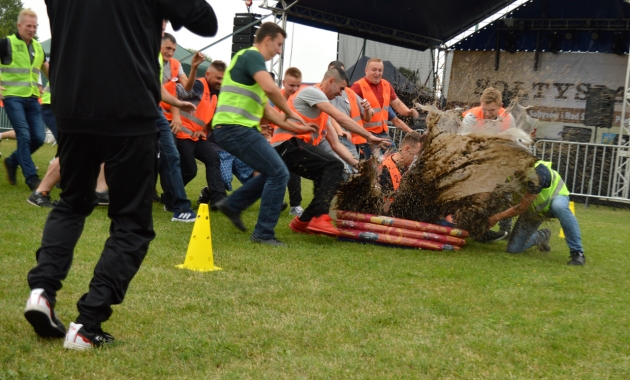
(557, 91)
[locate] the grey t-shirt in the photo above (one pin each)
(305, 102)
(342, 103)
(166, 70)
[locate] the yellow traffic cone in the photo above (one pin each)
(199, 255)
(572, 208)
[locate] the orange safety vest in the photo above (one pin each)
(280, 135)
(171, 86)
(355, 114)
(478, 112)
(203, 115)
(378, 123)
(277, 109)
(394, 172)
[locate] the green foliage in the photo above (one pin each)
(9, 10)
(412, 76)
(323, 309)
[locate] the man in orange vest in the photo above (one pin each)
(358, 109)
(301, 154)
(381, 95)
(491, 108)
(191, 140)
(396, 165)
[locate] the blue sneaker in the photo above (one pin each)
(186, 216)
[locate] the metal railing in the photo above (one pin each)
(587, 169)
(5, 124)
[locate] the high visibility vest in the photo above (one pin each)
(283, 92)
(46, 94)
(478, 112)
(378, 123)
(20, 77)
(171, 85)
(206, 107)
(240, 104)
(394, 172)
(542, 202)
(314, 138)
(355, 114)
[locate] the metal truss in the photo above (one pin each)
(594, 25)
(621, 183)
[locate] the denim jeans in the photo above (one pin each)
(367, 150)
(526, 235)
(170, 168)
(26, 117)
(253, 149)
(49, 119)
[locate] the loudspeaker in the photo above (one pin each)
(600, 105)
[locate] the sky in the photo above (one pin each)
(307, 48)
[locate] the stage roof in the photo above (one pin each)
(579, 25)
(413, 24)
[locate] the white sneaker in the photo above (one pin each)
(80, 340)
(296, 211)
(42, 317)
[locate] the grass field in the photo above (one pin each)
(323, 309)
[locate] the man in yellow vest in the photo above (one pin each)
(22, 61)
(380, 93)
(547, 198)
(247, 86)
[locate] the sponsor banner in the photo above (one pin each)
(557, 91)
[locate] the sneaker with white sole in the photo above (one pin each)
(297, 211)
(79, 339)
(186, 216)
(40, 314)
(40, 199)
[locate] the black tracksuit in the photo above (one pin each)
(104, 64)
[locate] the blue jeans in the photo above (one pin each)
(367, 150)
(251, 147)
(170, 169)
(26, 117)
(49, 119)
(526, 235)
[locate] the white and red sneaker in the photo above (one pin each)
(40, 314)
(79, 339)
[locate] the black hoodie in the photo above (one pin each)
(104, 60)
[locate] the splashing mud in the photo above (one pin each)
(470, 176)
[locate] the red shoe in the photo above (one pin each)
(299, 226)
(323, 225)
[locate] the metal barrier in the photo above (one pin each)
(587, 169)
(5, 124)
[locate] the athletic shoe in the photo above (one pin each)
(11, 172)
(103, 198)
(284, 206)
(235, 217)
(186, 216)
(40, 199)
(168, 208)
(299, 226)
(544, 246)
(297, 211)
(577, 258)
(204, 197)
(323, 225)
(79, 339)
(273, 241)
(492, 236)
(42, 317)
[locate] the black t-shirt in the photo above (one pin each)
(544, 180)
(104, 61)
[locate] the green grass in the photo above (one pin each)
(324, 309)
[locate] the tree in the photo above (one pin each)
(411, 75)
(9, 10)
(193, 51)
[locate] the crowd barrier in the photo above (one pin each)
(587, 169)
(5, 124)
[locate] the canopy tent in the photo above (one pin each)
(414, 24)
(601, 26)
(180, 53)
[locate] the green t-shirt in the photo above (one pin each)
(248, 64)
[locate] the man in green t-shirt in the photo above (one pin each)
(246, 88)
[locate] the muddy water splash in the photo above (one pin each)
(470, 176)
